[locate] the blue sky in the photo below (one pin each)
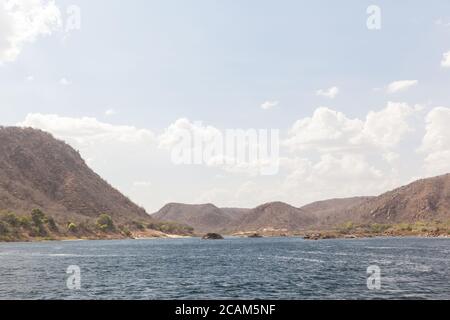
(153, 62)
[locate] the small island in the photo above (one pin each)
(255, 235)
(212, 236)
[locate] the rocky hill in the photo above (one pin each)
(38, 171)
(426, 200)
(334, 211)
(422, 200)
(209, 218)
(275, 215)
(202, 217)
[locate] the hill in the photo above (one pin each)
(275, 216)
(40, 172)
(422, 206)
(202, 217)
(423, 200)
(333, 211)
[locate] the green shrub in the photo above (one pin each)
(346, 227)
(3, 228)
(405, 227)
(125, 231)
(378, 228)
(52, 224)
(105, 223)
(41, 230)
(138, 225)
(38, 217)
(25, 222)
(72, 227)
(170, 227)
(38, 231)
(11, 219)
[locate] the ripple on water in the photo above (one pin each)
(237, 268)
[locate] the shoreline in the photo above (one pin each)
(175, 237)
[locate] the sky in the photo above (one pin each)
(358, 92)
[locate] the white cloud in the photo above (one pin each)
(436, 142)
(22, 22)
(65, 82)
(387, 127)
(29, 78)
(325, 130)
(329, 93)
(269, 105)
(437, 135)
(401, 85)
(391, 157)
(110, 112)
(446, 60)
(86, 130)
(328, 130)
(180, 127)
(437, 163)
(347, 167)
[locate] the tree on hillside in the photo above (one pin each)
(105, 223)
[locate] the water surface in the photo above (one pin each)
(234, 268)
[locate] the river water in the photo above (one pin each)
(234, 268)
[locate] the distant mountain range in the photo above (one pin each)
(423, 200)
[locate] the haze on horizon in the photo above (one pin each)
(359, 111)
